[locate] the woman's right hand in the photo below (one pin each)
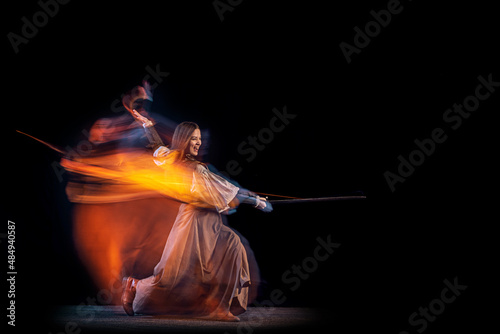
(262, 204)
(145, 121)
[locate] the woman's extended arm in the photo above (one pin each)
(247, 197)
(153, 137)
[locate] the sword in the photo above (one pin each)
(315, 199)
(288, 200)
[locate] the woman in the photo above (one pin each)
(203, 271)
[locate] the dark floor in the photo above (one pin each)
(254, 320)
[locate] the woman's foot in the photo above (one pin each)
(128, 294)
(220, 317)
(231, 317)
(226, 317)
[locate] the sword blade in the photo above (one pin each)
(315, 199)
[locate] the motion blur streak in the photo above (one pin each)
(125, 204)
(122, 239)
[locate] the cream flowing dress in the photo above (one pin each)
(204, 269)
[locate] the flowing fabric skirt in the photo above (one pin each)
(203, 270)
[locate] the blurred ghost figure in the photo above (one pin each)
(155, 218)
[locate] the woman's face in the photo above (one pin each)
(195, 142)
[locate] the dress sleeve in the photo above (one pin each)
(212, 190)
(163, 156)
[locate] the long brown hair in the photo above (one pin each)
(182, 136)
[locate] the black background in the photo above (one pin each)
(352, 122)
